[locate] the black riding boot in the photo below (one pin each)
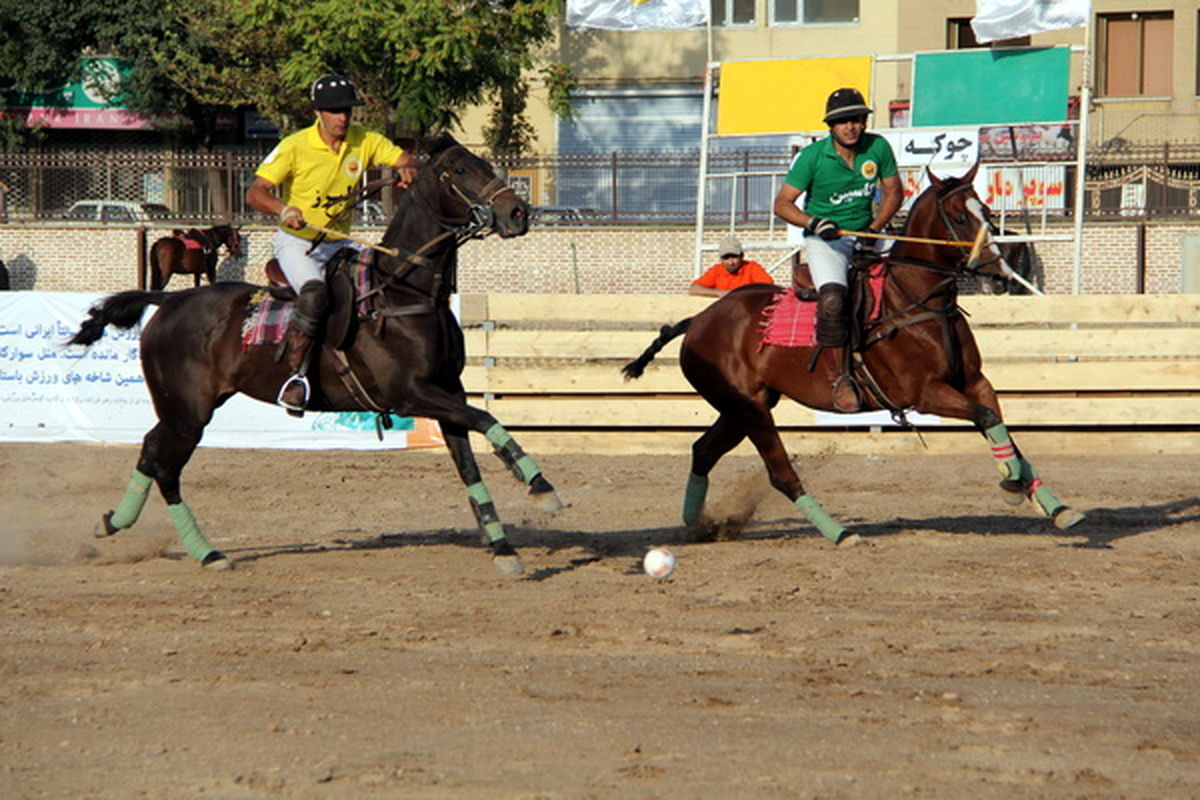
(833, 331)
(303, 327)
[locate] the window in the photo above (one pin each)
(733, 12)
(117, 214)
(961, 36)
(812, 12)
(1135, 54)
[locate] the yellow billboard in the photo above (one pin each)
(784, 96)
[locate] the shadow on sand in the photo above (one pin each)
(1100, 529)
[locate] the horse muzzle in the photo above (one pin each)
(511, 215)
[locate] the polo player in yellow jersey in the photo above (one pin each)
(316, 166)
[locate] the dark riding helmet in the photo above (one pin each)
(845, 104)
(331, 92)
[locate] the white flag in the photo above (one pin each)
(1009, 19)
(636, 15)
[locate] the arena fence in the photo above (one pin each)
(1073, 374)
(594, 189)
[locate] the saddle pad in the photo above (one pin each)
(362, 281)
(190, 244)
(875, 277)
(789, 322)
(266, 320)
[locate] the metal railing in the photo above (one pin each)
(573, 189)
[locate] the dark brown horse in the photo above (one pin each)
(406, 358)
(918, 353)
(192, 252)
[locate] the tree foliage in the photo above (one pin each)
(418, 63)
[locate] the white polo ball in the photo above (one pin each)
(659, 563)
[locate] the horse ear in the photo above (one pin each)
(970, 176)
(432, 145)
(937, 182)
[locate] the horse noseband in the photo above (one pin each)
(482, 217)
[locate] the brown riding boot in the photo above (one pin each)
(311, 304)
(833, 332)
(293, 396)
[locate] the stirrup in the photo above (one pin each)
(294, 410)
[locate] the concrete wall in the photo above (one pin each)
(568, 260)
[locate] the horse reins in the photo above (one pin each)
(478, 222)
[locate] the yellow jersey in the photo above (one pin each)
(312, 173)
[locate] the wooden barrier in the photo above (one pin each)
(1110, 367)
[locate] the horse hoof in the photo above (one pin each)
(548, 502)
(1013, 492)
(104, 528)
(508, 566)
(1067, 517)
(216, 562)
(849, 540)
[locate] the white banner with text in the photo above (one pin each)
(53, 392)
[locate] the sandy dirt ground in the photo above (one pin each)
(365, 647)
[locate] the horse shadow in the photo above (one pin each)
(1100, 529)
(631, 544)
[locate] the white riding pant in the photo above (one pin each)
(828, 260)
(298, 265)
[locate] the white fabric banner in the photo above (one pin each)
(917, 147)
(636, 15)
(51, 392)
(1009, 19)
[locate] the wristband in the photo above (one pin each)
(287, 212)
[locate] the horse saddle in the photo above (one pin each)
(192, 240)
(347, 274)
(789, 321)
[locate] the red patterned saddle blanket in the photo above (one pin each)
(791, 322)
(191, 239)
(267, 315)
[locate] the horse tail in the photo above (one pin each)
(635, 368)
(121, 310)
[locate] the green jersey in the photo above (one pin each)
(834, 190)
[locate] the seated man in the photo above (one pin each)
(731, 272)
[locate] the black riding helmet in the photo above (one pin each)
(332, 92)
(845, 104)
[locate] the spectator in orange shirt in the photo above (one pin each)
(732, 272)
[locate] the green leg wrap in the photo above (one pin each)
(826, 524)
(1044, 500)
(1007, 460)
(131, 504)
(693, 498)
(522, 464)
(193, 540)
(485, 511)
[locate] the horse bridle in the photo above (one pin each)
(479, 222)
(964, 262)
(480, 219)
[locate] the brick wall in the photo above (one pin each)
(565, 260)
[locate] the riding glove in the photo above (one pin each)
(866, 244)
(827, 229)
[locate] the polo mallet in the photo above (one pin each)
(976, 246)
(391, 251)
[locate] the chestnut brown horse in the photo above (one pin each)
(916, 353)
(405, 358)
(193, 252)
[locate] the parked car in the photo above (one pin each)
(117, 211)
